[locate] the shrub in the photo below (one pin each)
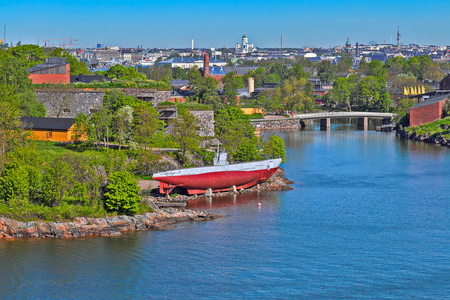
(122, 194)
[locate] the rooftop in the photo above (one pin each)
(47, 123)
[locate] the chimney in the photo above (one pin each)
(206, 65)
(251, 85)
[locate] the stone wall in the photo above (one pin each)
(207, 120)
(276, 124)
(63, 104)
(149, 95)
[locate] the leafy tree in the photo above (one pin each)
(146, 123)
(122, 125)
(280, 69)
(231, 83)
(297, 72)
(185, 132)
(99, 125)
(326, 70)
(376, 69)
(259, 76)
(31, 54)
(160, 73)
(11, 134)
(274, 148)
(76, 66)
(14, 75)
(115, 100)
(417, 65)
(234, 131)
(293, 95)
(122, 194)
(272, 78)
(402, 111)
(13, 182)
(394, 65)
(123, 73)
(179, 73)
(58, 178)
(345, 64)
(80, 128)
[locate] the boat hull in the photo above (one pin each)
(218, 178)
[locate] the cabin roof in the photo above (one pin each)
(47, 123)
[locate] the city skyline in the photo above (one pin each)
(173, 24)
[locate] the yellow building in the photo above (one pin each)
(50, 129)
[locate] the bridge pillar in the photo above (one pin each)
(325, 124)
(363, 123)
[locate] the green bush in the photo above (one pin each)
(122, 194)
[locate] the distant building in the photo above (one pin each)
(54, 70)
(445, 83)
(245, 47)
(190, 62)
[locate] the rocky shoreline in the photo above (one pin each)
(115, 226)
(110, 226)
(437, 140)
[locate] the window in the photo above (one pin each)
(66, 110)
(50, 134)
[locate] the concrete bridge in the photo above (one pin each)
(325, 117)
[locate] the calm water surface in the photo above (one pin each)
(369, 217)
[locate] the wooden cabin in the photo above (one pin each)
(50, 129)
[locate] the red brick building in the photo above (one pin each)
(55, 70)
(427, 111)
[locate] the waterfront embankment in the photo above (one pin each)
(425, 137)
(110, 226)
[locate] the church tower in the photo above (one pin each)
(244, 39)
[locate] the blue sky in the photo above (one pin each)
(222, 23)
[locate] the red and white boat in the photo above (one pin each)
(220, 177)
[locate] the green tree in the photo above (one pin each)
(31, 54)
(326, 71)
(234, 131)
(274, 148)
(146, 123)
(160, 73)
(123, 73)
(58, 178)
(14, 75)
(293, 94)
(185, 132)
(402, 111)
(272, 78)
(345, 64)
(76, 66)
(80, 128)
(122, 125)
(231, 83)
(99, 126)
(297, 72)
(122, 194)
(179, 73)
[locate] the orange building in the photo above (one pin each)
(50, 129)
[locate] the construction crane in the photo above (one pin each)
(47, 43)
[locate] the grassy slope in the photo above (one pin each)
(432, 129)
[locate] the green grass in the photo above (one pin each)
(50, 150)
(432, 129)
(255, 116)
